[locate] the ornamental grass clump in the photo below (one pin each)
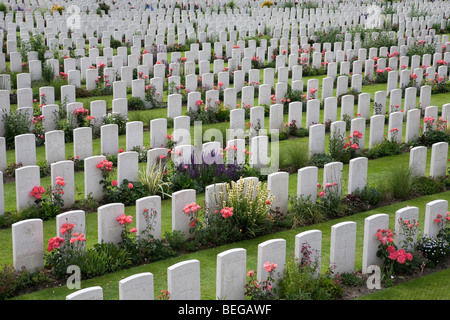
(302, 281)
(397, 184)
(294, 159)
(154, 179)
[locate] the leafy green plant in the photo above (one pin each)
(250, 203)
(294, 159)
(330, 200)
(151, 99)
(175, 239)
(12, 281)
(87, 204)
(362, 199)
(3, 7)
(208, 115)
(370, 195)
(64, 251)
(103, 258)
(15, 123)
(426, 185)
(126, 192)
(420, 48)
(35, 43)
(231, 4)
(115, 43)
(300, 280)
(352, 279)
(416, 12)
(336, 147)
(135, 103)
(434, 249)
(388, 9)
(116, 118)
(264, 289)
(332, 36)
(304, 212)
(384, 148)
(320, 159)
(104, 7)
(381, 40)
(48, 75)
(436, 130)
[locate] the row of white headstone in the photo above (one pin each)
(98, 108)
(128, 161)
(110, 231)
(184, 278)
(119, 23)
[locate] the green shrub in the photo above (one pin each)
(47, 73)
(383, 149)
(332, 36)
(44, 168)
(434, 135)
(416, 12)
(103, 6)
(36, 43)
(320, 159)
(304, 212)
(427, 185)
(115, 43)
(244, 213)
(116, 118)
(388, 9)
(151, 100)
(370, 195)
(336, 148)
(127, 192)
(12, 281)
(434, 249)
(175, 239)
(352, 279)
(66, 126)
(217, 114)
(420, 49)
(87, 204)
(382, 40)
(3, 7)
(330, 201)
(15, 123)
(301, 132)
(301, 282)
(103, 258)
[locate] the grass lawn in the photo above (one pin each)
(431, 287)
